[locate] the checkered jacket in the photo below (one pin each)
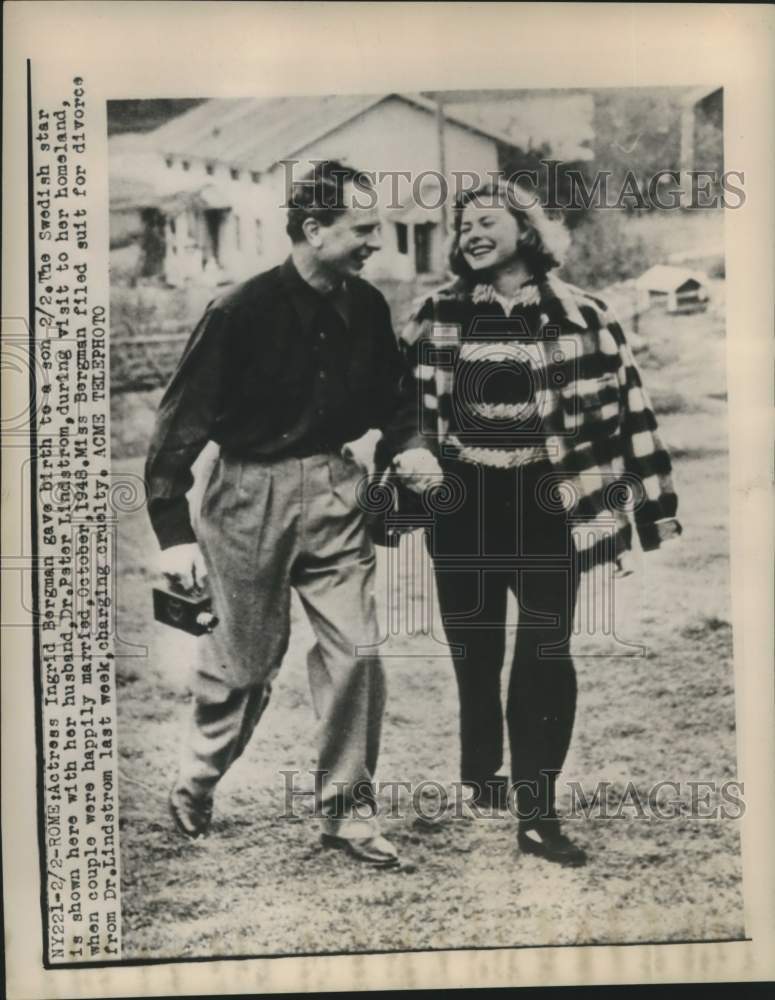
(608, 465)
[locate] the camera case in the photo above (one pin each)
(191, 611)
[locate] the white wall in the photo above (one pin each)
(394, 136)
(399, 137)
(132, 157)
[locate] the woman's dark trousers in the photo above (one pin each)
(507, 534)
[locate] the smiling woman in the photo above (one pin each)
(502, 226)
(284, 367)
(536, 412)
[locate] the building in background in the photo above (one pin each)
(202, 195)
(676, 288)
(702, 126)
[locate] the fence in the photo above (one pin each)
(144, 362)
(147, 362)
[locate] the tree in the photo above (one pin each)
(637, 133)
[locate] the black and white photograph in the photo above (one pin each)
(387, 531)
(428, 394)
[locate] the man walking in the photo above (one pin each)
(281, 372)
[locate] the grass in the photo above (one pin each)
(262, 885)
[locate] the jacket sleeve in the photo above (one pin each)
(391, 368)
(646, 460)
(415, 421)
(183, 427)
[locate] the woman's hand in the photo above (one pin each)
(419, 469)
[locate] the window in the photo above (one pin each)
(185, 164)
(423, 247)
(210, 168)
(255, 176)
(237, 233)
(402, 234)
(259, 238)
(169, 160)
(172, 226)
(234, 174)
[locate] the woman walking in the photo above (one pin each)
(527, 403)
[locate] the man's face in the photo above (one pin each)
(354, 235)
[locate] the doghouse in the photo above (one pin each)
(680, 290)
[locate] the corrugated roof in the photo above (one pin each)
(255, 133)
(697, 94)
(131, 193)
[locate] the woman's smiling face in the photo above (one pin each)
(488, 236)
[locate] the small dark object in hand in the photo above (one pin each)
(392, 509)
(189, 610)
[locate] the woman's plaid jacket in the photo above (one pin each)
(609, 468)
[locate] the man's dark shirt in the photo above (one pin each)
(273, 370)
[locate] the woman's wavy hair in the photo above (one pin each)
(541, 242)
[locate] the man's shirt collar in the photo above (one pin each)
(306, 300)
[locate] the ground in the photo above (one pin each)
(262, 885)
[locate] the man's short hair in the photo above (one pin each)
(319, 195)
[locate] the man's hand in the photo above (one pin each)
(184, 566)
(419, 469)
(362, 450)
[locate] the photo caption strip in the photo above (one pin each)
(74, 540)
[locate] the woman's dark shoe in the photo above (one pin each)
(545, 839)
